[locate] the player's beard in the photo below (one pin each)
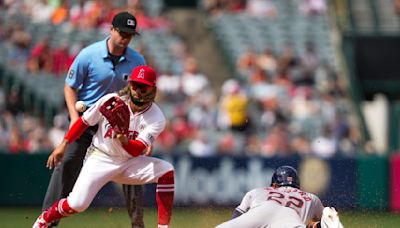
(143, 99)
(137, 102)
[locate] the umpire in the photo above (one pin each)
(100, 68)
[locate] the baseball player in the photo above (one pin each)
(100, 68)
(115, 154)
(282, 205)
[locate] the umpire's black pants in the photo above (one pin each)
(64, 176)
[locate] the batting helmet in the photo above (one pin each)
(286, 176)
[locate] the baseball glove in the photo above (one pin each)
(117, 113)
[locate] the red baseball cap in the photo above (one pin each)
(144, 74)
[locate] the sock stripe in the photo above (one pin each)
(239, 210)
(165, 198)
(165, 185)
(165, 190)
(60, 208)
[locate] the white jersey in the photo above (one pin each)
(307, 205)
(144, 126)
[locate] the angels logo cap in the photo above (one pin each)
(144, 74)
(125, 22)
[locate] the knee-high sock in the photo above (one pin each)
(165, 197)
(59, 210)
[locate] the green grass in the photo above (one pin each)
(182, 218)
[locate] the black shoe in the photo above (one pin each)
(53, 224)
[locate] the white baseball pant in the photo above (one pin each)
(99, 169)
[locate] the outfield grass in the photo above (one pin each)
(182, 218)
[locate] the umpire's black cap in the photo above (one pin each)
(125, 22)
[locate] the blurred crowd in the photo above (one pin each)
(277, 104)
(281, 105)
(260, 8)
(42, 53)
(29, 47)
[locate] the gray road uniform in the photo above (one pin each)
(276, 207)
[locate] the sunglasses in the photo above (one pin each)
(142, 87)
(123, 34)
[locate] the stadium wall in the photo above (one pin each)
(345, 183)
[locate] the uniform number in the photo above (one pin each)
(289, 201)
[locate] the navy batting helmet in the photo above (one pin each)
(286, 176)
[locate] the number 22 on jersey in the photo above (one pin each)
(286, 200)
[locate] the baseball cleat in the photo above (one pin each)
(330, 218)
(163, 226)
(40, 222)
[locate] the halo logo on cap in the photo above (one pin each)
(141, 73)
